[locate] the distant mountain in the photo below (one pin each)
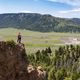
(75, 20)
(38, 22)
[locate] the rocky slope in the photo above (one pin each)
(14, 64)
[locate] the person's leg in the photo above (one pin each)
(19, 40)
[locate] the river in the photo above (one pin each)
(70, 41)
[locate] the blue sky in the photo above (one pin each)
(57, 8)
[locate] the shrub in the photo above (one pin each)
(66, 78)
(59, 75)
(11, 42)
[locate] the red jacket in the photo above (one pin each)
(19, 36)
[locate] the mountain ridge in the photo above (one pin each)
(38, 22)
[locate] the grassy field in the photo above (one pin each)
(78, 39)
(52, 37)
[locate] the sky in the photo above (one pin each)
(56, 8)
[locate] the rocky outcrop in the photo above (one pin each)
(14, 64)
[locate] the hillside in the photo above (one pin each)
(38, 22)
(77, 20)
(14, 64)
(63, 65)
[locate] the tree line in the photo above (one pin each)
(64, 65)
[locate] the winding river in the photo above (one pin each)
(70, 41)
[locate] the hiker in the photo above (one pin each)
(19, 38)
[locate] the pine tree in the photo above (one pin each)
(63, 69)
(73, 56)
(75, 76)
(71, 46)
(61, 50)
(56, 53)
(49, 50)
(51, 75)
(59, 75)
(67, 47)
(77, 48)
(46, 50)
(37, 53)
(67, 56)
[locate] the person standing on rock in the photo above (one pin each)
(19, 38)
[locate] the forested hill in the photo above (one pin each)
(75, 20)
(38, 22)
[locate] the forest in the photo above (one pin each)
(39, 22)
(63, 65)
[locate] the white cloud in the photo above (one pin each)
(70, 2)
(26, 11)
(75, 10)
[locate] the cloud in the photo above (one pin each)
(70, 2)
(75, 10)
(26, 11)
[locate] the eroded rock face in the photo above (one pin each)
(14, 64)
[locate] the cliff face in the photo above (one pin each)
(14, 64)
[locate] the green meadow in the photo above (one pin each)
(34, 36)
